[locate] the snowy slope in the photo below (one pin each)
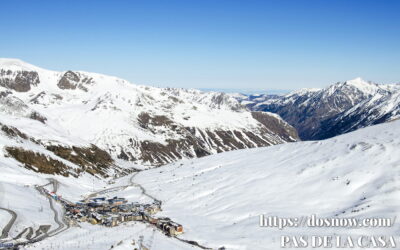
(146, 125)
(219, 198)
(336, 109)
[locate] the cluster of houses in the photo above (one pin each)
(114, 211)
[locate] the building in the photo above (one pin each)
(169, 227)
(116, 201)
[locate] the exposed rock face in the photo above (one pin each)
(337, 109)
(196, 142)
(38, 117)
(4, 93)
(68, 81)
(38, 162)
(73, 80)
(13, 132)
(20, 81)
(277, 125)
(92, 160)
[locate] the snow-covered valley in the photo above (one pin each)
(219, 198)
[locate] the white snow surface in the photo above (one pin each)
(219, 198)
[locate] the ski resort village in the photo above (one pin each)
(111, 212)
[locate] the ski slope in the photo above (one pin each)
(219, 198)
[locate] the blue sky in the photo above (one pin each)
(209, 44)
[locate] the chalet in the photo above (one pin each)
(82, 218)
(115, 219)
(178, 228)
(137, 216)
(169, 227)
(99, 199)
(117, 201)
(125, 208)
(94, 204)
(148, 218)
(132, 217)
(108, 222)
(151, 208)
(104, 210)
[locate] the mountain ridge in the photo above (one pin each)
(141, 124)
(339, 108)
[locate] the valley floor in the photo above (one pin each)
(219, 199)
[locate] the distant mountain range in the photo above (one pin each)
(246, 91)
(340, 108)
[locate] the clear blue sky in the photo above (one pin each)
(209, 44)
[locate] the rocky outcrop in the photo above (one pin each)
(194, 142)
(92, 160)
(38, 162)
(13, 132)
(38, 117)
(68, 81)
(20, 81)
(73, 80)
(276, 125)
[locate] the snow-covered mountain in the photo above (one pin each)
(337, 109)
(80, 113)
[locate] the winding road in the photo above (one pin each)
(7, 228)
(144, 191)
(43, 232)
(59, 220)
